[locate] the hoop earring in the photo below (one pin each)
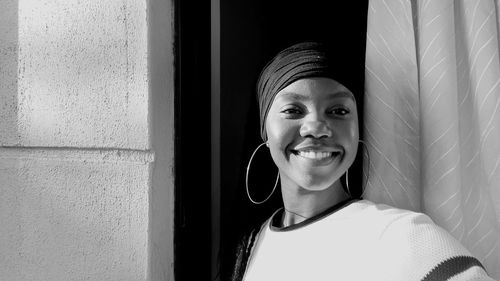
(347, 183)
(368, 168)
(246, 179)
(348, 190)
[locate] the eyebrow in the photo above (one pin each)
(301, 97)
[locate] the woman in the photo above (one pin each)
(309, 121)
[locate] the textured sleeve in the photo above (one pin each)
(427, 252)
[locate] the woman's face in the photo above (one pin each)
(312, 129)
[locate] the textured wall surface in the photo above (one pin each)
(86, 140)
(73, 219)
(82, 75)
(161, 87)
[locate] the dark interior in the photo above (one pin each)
(251, 33)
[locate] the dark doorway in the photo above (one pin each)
(250, 33)
(192, 220)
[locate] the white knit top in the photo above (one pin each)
(361, 241)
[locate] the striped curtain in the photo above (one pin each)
(432, 115)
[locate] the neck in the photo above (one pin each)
(301, 204)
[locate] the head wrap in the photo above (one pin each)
(304, 60)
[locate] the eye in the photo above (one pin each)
(339, 111)
(291, 112)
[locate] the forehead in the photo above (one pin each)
(314, 88)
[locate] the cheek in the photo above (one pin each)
(352, 129)
(279, 134)
(347, 134)
(355, 126)
(352, 133)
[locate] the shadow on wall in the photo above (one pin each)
(9, 39)
(9, 201)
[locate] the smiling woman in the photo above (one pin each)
(309, 108)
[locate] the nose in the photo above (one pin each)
(316, 129)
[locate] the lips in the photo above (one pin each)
(316, 155)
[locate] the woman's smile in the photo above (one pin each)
(317, 156)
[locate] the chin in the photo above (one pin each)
(315, 188)
(315, 183)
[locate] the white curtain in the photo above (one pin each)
(432, 115)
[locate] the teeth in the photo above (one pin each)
(315, 155)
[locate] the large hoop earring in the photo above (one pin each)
(348, 190)
(347, 183)
(246, 180)
(368, 167)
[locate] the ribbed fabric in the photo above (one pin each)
(451, 267)
(362, 241)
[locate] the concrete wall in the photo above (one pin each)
(86, 140)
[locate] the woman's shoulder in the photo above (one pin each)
(403, 226)
(383, 209)
(412, 241)
(387, 216)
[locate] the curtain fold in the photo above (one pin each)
(432, 116)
